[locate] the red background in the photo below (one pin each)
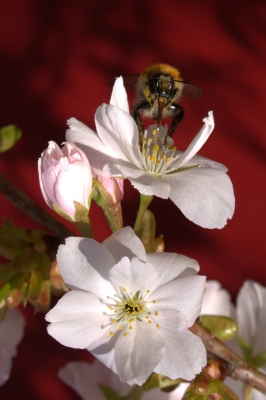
(56, 60)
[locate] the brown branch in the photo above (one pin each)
(24, 203)
(240, 369)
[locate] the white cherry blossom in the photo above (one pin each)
(130, 309)
(11, 333)
(199, 187)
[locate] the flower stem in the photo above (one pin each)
(240, 369)
(24, 203)
(144, 203)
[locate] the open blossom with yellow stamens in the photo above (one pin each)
(130, 309)
(199, 187)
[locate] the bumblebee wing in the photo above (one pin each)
(190, 92)
(130, 81)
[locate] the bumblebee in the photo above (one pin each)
(159, 89)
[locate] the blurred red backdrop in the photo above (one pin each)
(56, 60)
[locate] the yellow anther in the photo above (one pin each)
(110, 307)
(154, 301)
(164, 156)
(125, 334)
(148, 291)
(147, 316)
(111, 333)
(116, 311)
(124, 289)
(150, 140)
(120, 327)
(114, 321)
(131, 327)
(158, 326)
(156, 313)
(132, 320)
(173, 148)
(154, 132)
(150, 322)
(144, 142)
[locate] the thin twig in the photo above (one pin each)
(24, 203)
(240, 369)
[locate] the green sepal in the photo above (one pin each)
(42, 303)
(82, 221)
(15, 281)
(224, 328)
(246, 348)
(109, 393)
(9, 135)
(204, 386)
(147, 234)
(158, 381)
(35, 283)
(112, 211)
(61, 212)
(134, 394)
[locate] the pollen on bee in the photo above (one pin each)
(111, 333)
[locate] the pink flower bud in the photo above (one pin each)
(65, 176)
(113, 186)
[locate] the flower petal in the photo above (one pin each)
(118, 131)
(138, 353)
(77, 319)
(198, 141)
(250, 301)
(216, 301)
(119, 95)
(88, 141)
(184, 295)
(132, 276)
(125, 243)
(185, 354)
(146, 182)
(170, 266)
(84, 264)
(205, 196)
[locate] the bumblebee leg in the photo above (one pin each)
(177, 118)
(138, 120)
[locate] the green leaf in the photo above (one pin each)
(109, 393)
(224, 328)
(27, 259)
(9, 135)
(6, 272)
